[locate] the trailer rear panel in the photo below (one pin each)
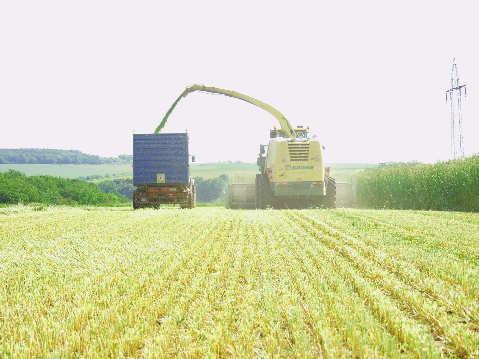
(160, 158)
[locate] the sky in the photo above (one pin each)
(368, 77)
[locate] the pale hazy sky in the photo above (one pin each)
(367, 76)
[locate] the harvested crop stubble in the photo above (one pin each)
(98, 282)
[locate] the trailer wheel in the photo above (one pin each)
(137, 199)
(194, 196)
(190, 201)
(186, 203)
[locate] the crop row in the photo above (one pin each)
(215, 282)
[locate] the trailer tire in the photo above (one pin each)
(190, 201)
(194, 196)
(136, 199)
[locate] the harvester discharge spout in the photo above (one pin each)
(285, 127)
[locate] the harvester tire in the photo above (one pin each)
(259, 192)
(330, 198)
(263, 192)
(227, 201)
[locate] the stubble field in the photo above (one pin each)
(213, 282)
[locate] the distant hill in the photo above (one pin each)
(76, 164)
(54, 156)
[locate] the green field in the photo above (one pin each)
(342, 172)
(95, 282)
(71, 170)
(211, 170)
(123, 170)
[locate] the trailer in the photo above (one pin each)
(161, 171)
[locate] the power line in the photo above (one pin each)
(454, 95)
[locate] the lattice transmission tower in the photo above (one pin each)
(454, 96)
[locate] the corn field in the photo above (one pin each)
(452, 185)
(92, 282)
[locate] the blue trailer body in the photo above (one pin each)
(155, 155)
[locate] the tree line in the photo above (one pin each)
(46, 156)
(15, 187)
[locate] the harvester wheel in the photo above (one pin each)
(263, 192)
(259, 192)
(228, 198)
(330, 199)
(258, 199)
